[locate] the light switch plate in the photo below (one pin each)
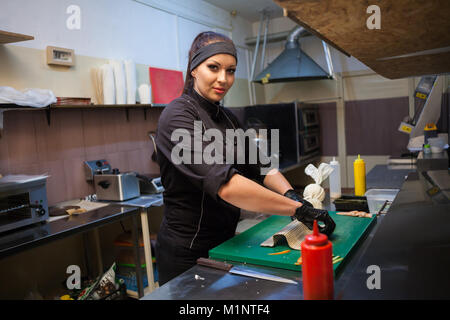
(60, 56)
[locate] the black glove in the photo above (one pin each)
(291, 194)
(307, 215)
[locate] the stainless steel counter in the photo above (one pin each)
(410, 245)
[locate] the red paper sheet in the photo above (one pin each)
(166, 84)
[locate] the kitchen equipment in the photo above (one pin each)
(376, 198)
(244, 271)
(359, 171)
(309, 142)
(307, 115)
(111, 184)
(116, 186)
(245, 247)
(281, 117)
(23, 201)
(308, 130)
(149, 184)
(430, 131)
(94, 167)
(351, 203)
(293, 64)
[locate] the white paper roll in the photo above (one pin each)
(109, 91)
(145, 95)
(130, 75)
(119, 81)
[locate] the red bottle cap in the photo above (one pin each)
(316, 238)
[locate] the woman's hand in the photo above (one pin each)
(307, 215)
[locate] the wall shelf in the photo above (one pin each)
(127, 107)
(12, 106)
(9, 37)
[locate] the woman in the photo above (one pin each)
(203, 200)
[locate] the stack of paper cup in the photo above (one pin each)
(119, 81)
(145, 94)
(130, 75)
(109, 91)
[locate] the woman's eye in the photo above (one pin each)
(213, 67)
(231, 71)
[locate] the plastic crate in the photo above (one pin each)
(376, 198)
(128, 274)
(130, 281)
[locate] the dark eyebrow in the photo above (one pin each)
(220, 64)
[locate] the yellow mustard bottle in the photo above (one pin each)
(359, 171)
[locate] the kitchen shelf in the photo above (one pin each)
(82, 106)
(144, 107)
(9, 37)
(100, 106)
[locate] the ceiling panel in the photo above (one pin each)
(413, 40)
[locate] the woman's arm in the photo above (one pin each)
(249, 195)
(275, 181)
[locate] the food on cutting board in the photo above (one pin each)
(335, 259)
(355, 213)
(281, 252)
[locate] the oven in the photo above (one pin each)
(23, 201)
(309, 142)
(308, 131)
(307, 115)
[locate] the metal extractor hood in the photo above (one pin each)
(293, 64)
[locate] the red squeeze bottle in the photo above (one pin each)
(317, 266)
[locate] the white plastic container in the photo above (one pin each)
(335, 180)
(377, 197)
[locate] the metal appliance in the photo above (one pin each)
(111, 184)
(308, 131)
(149, 184)
(23, 201)
(280, 116)
(295, 65)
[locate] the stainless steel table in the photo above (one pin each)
(410, 245)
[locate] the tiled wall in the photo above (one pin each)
(30, 146)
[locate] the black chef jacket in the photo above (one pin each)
(195, 218)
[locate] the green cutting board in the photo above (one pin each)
(246, 247)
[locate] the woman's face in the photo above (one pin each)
(215, 76)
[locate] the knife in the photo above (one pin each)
(241, 270)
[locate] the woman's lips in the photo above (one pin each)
(219, 90)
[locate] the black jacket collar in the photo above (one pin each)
(213, 108)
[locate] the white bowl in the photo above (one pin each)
(435, 149)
